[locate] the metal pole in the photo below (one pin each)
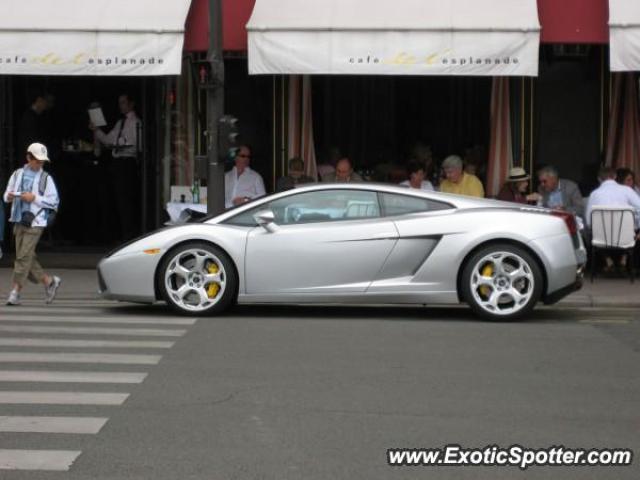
(215, 110)
(141, 159)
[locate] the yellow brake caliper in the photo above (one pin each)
(487, 271)
(213, 288)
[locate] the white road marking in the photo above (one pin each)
(610, 321)
(62, 398)
(96, 319)
(52, 310)
(142, 332)
(71, 322)
(70, 377)
(51, 460)
(109, 358)
(54, 342)
(74, 425)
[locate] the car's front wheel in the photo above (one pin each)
(501, 282)
(197, 279)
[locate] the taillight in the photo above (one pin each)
(569, 220)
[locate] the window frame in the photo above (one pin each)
(385, 214)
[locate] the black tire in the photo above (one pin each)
(227, 269)
(479, 298)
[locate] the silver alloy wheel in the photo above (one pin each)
(189, 276)
(502, 283)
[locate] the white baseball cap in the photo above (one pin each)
(39, 151)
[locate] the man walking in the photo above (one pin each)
(34, 198)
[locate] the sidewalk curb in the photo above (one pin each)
(599, 302)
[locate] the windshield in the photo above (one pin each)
(256, 200)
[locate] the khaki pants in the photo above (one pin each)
(26, 264)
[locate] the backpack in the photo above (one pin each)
(49, 213)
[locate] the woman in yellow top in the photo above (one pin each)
(459, 182)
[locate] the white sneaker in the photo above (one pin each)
(51, 290)
(14, 298)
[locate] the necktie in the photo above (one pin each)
(124, 119)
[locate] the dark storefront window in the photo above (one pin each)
(377, 121)
(83, 173)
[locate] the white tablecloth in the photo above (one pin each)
(174, 209)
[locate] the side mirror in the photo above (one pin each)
(267, 220)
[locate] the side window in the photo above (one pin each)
(316, 206)
(326, 206)
(396, 204)
(245, 219)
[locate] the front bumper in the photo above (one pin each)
(128, 278)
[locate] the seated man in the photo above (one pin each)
(416, 179)
(611, 193)
(459, 182)
(296, 176)
(344, 173)
(559, 194)
(241, 183)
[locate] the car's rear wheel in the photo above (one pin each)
(501, 282)
(197, 279)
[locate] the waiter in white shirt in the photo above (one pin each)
(241, 183)
(612, 193)
(123, 140)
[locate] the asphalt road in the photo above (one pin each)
(319, 393)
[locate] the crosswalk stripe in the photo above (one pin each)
(62, 398)
(51, 310)
(144, 332)
(117, 358)
(95, 319)
(604, 321)
(70, 377)
(75, 425)
(86, 301)
(50, 460)
(53, 342)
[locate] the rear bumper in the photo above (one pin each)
(558, 295)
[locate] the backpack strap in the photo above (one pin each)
(42, 184)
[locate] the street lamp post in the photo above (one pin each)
(215, 110)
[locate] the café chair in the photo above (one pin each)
(613, 228)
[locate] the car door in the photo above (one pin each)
(421, 223)
(323, 241)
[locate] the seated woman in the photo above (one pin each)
(625, 176)
(416, 177)
(515, 189)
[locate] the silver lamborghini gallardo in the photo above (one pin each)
(355, 244)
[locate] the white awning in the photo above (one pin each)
(624, 32)
(92, 37)
(397, 37)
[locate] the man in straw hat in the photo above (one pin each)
(516, 186)
(34, 197)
